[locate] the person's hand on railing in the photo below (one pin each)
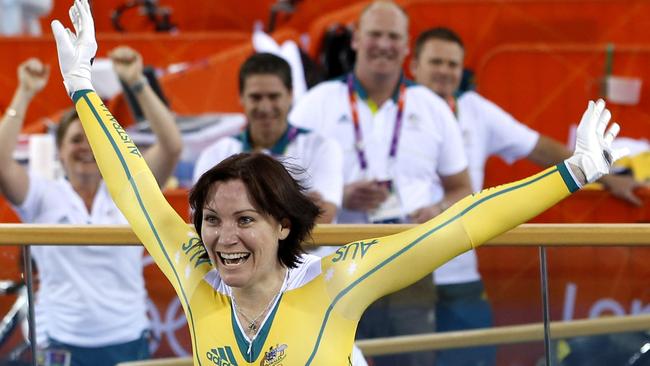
(594, 154)
(76, 50)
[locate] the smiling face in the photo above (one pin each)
(75, 154)
(241, 241)
(381, 42)
(439, 66)
(266, 102)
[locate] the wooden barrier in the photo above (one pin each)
(504, 335)
(524, 235)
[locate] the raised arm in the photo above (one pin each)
(14, 181)
(175, 247)
(163, 155)
(364, 271)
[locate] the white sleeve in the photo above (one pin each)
(452, 159)
(509, 138)
(308, 111)
(326, 170)
(37, 189)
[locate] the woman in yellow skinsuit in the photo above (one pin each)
(250, 295)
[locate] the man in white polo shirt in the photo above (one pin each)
(487, 130)
(265, 93)
(397, 138)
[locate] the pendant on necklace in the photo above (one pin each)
(252, 327)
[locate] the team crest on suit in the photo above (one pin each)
(274, 356)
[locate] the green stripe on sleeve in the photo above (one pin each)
(80, 94)
(570, 182)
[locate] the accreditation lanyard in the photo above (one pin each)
(453, 105)
(358, 136)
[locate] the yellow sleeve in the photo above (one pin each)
(174, 246)
(361, 272)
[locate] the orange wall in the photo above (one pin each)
(546, 86)
(189, 16)
(484, 24)
(157, 49)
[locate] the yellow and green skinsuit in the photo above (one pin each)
(314, 320)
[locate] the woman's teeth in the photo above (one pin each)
(234, 258)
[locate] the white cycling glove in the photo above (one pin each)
(594, 154)
(76, 51)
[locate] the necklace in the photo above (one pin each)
(253, 325)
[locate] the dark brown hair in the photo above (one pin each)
(265, 64)
(439, 33)
(272, 190)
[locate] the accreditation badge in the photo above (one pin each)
(390, 211)
(53, 357)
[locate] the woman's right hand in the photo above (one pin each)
(76, 50)
(32, 76)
